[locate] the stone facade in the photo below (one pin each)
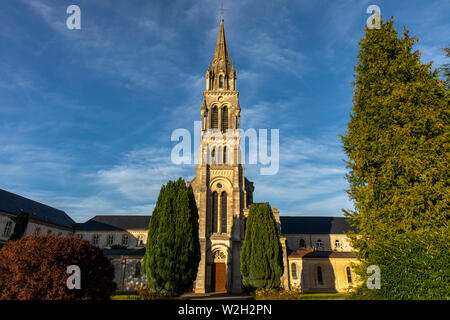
(221, 190)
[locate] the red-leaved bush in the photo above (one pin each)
(35, 267)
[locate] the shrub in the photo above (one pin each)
(35, 268)
(278, 294)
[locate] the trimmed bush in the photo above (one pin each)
(173, 248)
(261, 254)
(35, 268)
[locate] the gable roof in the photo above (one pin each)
(15, 204)
(115, 222)
(315, 225)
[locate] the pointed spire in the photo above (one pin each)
(221, 59)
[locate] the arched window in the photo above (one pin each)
(214, 118)
(301, 243)
(224, 212)
(219, 156)
(221, 82)
(137, 271)
(224, 154)
(349, 275)
(212, 158)
(294, 271)
(214, 213)
(319, 275)
(224, 119)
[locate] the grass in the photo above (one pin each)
(124, 297)
(272, 295)
(323, 296)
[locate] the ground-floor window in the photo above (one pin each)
(319, 275)
(137, 272)
(349, 275)
(294, 271)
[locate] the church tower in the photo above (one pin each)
(221, 190)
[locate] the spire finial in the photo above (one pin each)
(221, 9)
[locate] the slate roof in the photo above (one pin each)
(321, 254)
(124, 252)
(115, 222)
(15, 204)
(314, 225)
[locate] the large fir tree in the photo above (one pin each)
(261, 254)
(173, 249)
(397, 142)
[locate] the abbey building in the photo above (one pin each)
(316, 252)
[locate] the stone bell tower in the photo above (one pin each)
(221, 190)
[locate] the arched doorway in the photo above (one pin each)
(219, 272)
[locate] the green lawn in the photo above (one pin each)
(323, 296)
(301, 296)
(124, 297)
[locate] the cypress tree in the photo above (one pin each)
(173, 248)
(397, 143)
(261, 254)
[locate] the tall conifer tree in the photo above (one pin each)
(397, 143)
(173, 249)
(261, 254)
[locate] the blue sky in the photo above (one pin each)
(86, 115)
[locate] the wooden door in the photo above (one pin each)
(219, 277)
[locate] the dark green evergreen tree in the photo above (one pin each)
(261, 254)
(173, 248)
(397, 143)
(21, 223)
(446, 67)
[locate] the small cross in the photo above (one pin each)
(221, 9)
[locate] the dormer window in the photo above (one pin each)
(221, 82)
(301, 243)
(319, 243)
(7, 230)
(337, 244)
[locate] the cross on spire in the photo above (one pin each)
(221, 9)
